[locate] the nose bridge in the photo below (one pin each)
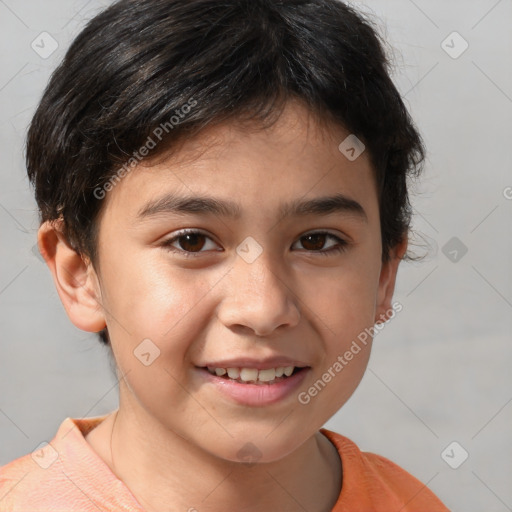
(258, 296)
(257, 276)
(256, 262)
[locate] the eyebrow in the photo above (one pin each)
(174, 204)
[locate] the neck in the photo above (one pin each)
(169, 470)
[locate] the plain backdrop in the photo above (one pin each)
(440, 370)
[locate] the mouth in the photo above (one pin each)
(263, 377)
(255, 387)
(254, 382)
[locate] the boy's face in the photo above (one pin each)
(230, 305)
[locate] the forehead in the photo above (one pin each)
(244, 164)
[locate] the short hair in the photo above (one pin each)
(137, 64)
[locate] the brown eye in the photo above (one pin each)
(314, 242)
(191, 242)
(188, 243)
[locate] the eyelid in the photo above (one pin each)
(176, 236)
(341, 246)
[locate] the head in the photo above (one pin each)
(242, 102)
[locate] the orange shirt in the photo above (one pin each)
(67, 475)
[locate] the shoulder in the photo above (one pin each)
(25, 483)
(48, 478)
(378, 482)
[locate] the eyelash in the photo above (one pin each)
(167, 244)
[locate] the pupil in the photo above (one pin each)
(316, 238)
(191, 239)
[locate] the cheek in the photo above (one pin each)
(346, 312)
(156, 317)
(158, 303)
(344, 299)
(345, 306)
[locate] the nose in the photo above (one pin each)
(258, 299)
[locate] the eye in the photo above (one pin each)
(190, 241)
(312, 242)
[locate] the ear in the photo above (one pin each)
(75, 279)
(387, 282)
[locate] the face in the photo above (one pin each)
(256, 286)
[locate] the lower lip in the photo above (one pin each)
(256, 394)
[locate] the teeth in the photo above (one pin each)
(253, 374)
(233, 373)
(267, 375)
(247, 374)
(288, 370)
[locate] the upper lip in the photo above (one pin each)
(259, 364)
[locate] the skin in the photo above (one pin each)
(291, 301)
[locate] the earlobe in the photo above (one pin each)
(76, 281)
(387, 282)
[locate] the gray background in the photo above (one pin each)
(440, 370)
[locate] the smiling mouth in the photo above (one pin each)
(255, 376)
